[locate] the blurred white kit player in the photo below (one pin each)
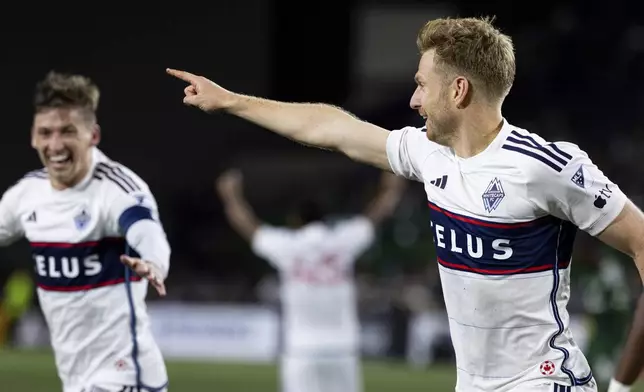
(504, 223)
(93, 304)
(320, 321)
(81, 214)
(315, 264)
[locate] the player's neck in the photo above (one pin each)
(72, 182)
(476, 132)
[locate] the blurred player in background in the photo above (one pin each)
(504, 203)
(315, 264)
(16, 300)
(607, 296)
(86, 216)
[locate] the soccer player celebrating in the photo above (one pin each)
(315, 262)
(86, 216)
(505, 205)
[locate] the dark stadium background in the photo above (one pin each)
(580, 78)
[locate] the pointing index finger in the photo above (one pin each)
(183, 75)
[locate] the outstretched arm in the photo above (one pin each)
(238, 212)
(626, 234)
(313, 124)
(384, 203)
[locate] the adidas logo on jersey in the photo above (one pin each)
(440, 182)
(32, 217)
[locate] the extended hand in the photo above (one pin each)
(204, 93)
(145, 270)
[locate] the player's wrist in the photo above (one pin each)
(235, 103)
(616, 386)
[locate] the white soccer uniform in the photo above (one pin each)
(320, 321)
(94, 306)
(504, 222)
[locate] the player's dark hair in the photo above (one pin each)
(58, 90)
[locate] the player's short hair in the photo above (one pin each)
(59, 90)
(474, 48)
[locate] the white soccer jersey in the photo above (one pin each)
(94, 306)
(315, 264)
(504, 222)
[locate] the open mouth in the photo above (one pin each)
(60, 161)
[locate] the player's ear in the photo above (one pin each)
(461, 92)
(96, 134)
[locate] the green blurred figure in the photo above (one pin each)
(607, 299)
(17, 296)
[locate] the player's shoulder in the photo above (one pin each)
(115, 176)
(29, 180)
(350, 226)
(351, 221)
(411, 128)
(534, 155)
(419, 133)
(268, 233)
(416, 138)
(37, 175)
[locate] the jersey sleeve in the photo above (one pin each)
(579, 193)
(273, 244)
(407, 150)
(10, 226)
(125, 209)
(356, 234)
(134, 214)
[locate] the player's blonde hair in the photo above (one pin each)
(59, 90)
(474, 48)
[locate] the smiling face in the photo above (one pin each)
(434, 99)
(63, 138)
(464, 61)
(64, 129)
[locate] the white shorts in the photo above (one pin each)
(321, 374)
(556, 387)
(153, 378)
(108, 387)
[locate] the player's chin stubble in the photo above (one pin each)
(440, 134)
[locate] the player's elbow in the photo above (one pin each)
(323, 136)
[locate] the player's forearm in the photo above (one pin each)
(241, 218)
(632, 360)
(314, 124)
(383, 205)
(149, 240)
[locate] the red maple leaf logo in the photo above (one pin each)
(547, 368)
